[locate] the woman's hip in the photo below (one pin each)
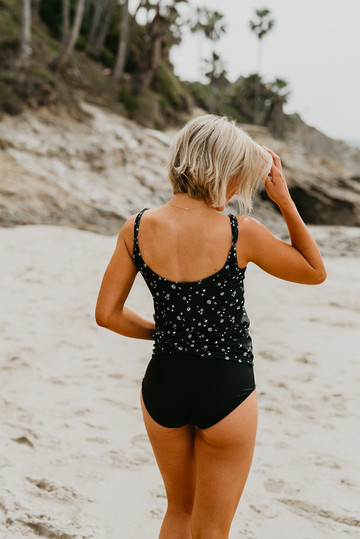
(194, 375)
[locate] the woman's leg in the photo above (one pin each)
(174, 452)
(223, 456)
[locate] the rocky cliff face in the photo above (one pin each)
(91, 174)
(95, 173)
(323, 174)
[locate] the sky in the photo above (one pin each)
(314, 45)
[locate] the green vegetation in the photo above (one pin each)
(142, 85)
(9, 102)
(175, 93)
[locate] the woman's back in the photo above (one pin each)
(206, 316)
(186, 245)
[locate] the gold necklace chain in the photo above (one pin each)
(187, 209)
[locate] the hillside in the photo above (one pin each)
(92, 174)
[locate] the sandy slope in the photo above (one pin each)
(75, 459)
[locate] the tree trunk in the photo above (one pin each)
(144, 78)
(87, 8)
(25, 33)
(65, 20)
(274, 119)
(123, 42)
(68, 47)
(96, 49)
(158, 32)
(95, 23)
(155, 54)
(257, 87)
(35, 4)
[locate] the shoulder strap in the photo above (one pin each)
(136, 251)
(137, 223)
(234, 227)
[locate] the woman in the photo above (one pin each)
(198, 396)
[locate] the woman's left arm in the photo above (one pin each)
(118, 279)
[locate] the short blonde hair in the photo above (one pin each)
(209, 153)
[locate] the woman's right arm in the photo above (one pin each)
(300, 262)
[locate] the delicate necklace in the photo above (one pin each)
(187, 209)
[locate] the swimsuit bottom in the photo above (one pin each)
(182, 388)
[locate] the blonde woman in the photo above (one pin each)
(198, 396)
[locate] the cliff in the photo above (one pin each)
(92, 174)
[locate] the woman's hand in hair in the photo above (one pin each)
(275, 183)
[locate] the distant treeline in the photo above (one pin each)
(123, 59)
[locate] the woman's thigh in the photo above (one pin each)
(223, 455)
(174, 452)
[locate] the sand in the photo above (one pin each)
(75, 459)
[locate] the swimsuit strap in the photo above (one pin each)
(136, 251)
(234, 227)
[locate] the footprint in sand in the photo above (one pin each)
(117, 375)
(267, 355)
(274, 409)
(117, 458)
(274, 486)
(328, 462)
(55, 380)
(159, 492)
(305, 359)
(82, 411)
(96, 426)
(98, 440)
(157, 513)
(141, 452)
(44, 526)
(45, 487)
(281, 445)
(264, 510)
(281, 384)
(308, 507)
(348, 482)
(23, 440)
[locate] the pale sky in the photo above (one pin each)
(314, 45)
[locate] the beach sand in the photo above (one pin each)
(75, 458)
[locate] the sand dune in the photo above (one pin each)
(76, 461)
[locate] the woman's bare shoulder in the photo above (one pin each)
(126, 233)
(249, 224)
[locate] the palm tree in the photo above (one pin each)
(260, 27)
(65, 26)
(162, 32)
(123, 43)
(209, 23)
(96, 20)
(216, 76)
(101, 30)
(25, 35)
(278, 95)
(69, 40)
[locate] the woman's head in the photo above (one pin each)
(213, 159)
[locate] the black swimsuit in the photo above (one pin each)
(202, 362)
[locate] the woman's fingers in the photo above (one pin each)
(277, 160)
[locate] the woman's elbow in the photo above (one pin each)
(321, 277)
(101, 318)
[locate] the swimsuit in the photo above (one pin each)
(202, 360)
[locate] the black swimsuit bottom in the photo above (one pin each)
(201, 368)
(186, 389)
